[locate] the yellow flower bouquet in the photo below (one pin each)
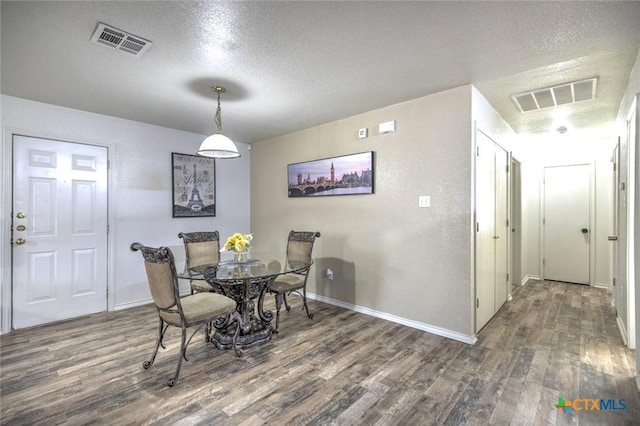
(237, 243)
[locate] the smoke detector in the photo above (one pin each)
(120, 40)
(564, 94)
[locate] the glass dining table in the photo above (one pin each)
(247, 282)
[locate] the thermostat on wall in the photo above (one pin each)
(388, 127)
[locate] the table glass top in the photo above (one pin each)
(259, 265)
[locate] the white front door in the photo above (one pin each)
(566, 223)
(59, 230)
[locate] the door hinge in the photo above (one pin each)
(477, 151)
(477, 303)
(507, 277)
(614, 282)
(477, 227)
(614, 167)
(507, 169)
(507, 223)
(543, 261)
(108, 228)
(544, 220)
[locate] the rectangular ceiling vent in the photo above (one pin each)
(568, 93)
(120, 40)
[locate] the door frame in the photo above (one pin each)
(515, 224)
(592, 215)
(6, 201)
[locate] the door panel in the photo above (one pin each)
(492, 230)
(60, 271)
(566, 223)
(485, 215)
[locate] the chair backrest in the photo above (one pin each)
(159, 264)
(201, 248)
(300, 245)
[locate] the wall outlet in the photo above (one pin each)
(363, 133)
(424, 201)
(330, 274)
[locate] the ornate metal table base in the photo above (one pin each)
(260, 333)
(255, 327)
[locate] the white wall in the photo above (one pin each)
(140, 198)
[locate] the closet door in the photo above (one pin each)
(491, 229)
(485, 230)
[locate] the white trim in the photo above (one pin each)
(464, 338)
(528, 278)
(5, 234)
(132, 304)
(638, 382)
(623, 331)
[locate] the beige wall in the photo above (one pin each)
(388, 255)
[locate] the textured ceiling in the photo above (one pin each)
(292, 65)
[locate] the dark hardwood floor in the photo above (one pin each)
(553, 340)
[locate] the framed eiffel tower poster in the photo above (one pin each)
(194, 186)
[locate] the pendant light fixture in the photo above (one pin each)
(218, 145)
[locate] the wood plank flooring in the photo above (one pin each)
(341, 368)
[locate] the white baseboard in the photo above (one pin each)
(132, 304)
(465, 338)
(623, 331)
(528, 278)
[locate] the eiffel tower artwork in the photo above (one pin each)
(195, 202)
(193, 186)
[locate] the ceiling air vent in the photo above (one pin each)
(120, 40)
(568, 93)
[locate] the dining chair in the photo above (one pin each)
(196, 310)
(201, 248)
(299, 248)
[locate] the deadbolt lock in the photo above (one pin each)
(20, 215)
(20, 241)
(21, 227)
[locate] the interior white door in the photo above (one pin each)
(485, 230)
(567, 223)
(491, 229)
(59, 230)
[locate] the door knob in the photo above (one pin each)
(20, 241)
(585, 231)
(20, 215)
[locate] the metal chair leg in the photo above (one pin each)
(304, 300)
(149, 363)
(183, 349)
(279, 297)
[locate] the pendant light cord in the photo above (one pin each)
(219, 116)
